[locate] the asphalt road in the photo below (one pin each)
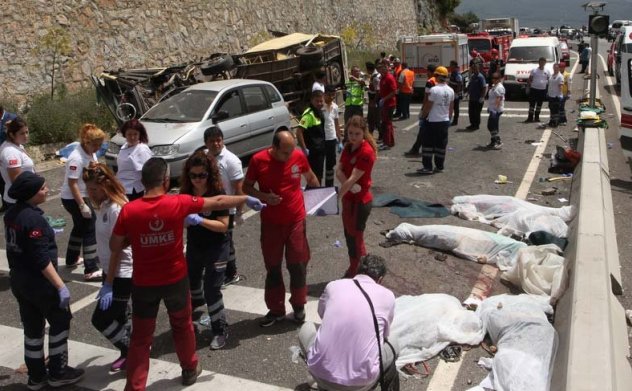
(263, 355)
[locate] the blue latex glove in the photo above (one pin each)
(64, 297)
(254, 203)
(105, 296)
(340, 146)
(193, 219)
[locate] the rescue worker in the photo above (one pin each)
(536, 89)
(405, 83)
(555, 95)
(354, 96)
(566, 92)
(41, 294)
(476, 89)
(397, 71)
(436, 112)
(456, 83)
(495, 107)
(373, 116)
(310, 134)
(431, 82)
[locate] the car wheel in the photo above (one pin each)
(311, 57)
(334, 74)
(217, 64)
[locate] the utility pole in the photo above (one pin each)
(597, 25)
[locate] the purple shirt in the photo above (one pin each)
(345, 350)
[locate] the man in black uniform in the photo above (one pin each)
(40, 292)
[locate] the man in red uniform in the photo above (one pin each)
(278, 171)
(153, 225)
(388, 89)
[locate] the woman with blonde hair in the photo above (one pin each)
(107, 196)
(13, 158)
(208, 243)
(73, 198)
(354, 174)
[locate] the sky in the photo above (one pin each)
(544, 13)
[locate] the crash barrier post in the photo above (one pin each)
(590, 321)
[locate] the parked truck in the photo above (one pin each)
(501, 26)
(437, 49)
(484, 42)
(288, 61)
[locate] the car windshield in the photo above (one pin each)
(480, 45)
(524, 54)
(187, 106)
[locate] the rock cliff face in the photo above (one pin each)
(108, 34)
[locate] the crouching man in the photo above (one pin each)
(345, 353)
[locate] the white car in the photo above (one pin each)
(247, 111)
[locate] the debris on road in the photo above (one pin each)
(501, 180)
(408, 207)
(549, 191)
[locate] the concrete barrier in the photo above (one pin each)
(593, 340)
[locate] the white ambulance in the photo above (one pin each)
(436, 49)
(523, 57)
(625, 131)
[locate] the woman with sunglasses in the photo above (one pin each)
(107, 196)
(495, 107)
(13, 158)
(208, 244)
(133, 154)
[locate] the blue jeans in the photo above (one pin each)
(493, 125)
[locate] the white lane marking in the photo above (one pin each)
(96, 360)
(445, 374)
(612, 83)
(532, 169)
(236, 297)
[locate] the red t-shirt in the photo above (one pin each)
(363, 159)
(154, 228)
(388, 85)
(282, 179)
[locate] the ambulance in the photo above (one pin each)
(438, 49)
(625, 131)
(523, 57)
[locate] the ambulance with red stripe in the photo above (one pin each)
(523, 57)
(437, 49)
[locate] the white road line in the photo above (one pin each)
(163, 375)
(445, 374)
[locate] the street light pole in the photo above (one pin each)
(594, 42)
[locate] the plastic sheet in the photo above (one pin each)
(486, 208)
(424, 325)
(468, 243)
(526, 342)
(523, 222)
(539, 270)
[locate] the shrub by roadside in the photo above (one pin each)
(59, 120)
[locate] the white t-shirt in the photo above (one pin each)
(496, 91)
(106, 217)
(75, 164)
(539, 78)
(555, 86)
(231, 170)
(130, 162)
(13, 156)
(318, 86)
(441, 96)
(330, 125)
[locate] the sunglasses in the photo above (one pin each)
(202, 175)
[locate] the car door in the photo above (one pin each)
(231, 117)
(261, 117)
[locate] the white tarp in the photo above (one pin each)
(518, 216)
(539, 270)
(468, 243)
(425, 325)
(525, 339)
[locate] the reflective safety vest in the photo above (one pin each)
(409, 79)
(314, 129)
(355, 94)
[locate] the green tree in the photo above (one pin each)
(55, 44)
(447, 7)
(464, 21)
